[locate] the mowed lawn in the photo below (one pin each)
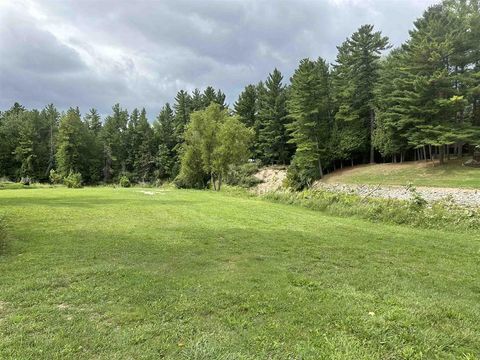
(419, 173)
(104, 273)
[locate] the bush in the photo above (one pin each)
(55, 178)
(73, 180)
(25, 181)
(124, 181)
(243, 175)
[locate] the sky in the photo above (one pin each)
(95, 53)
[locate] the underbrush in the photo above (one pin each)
(441, 214)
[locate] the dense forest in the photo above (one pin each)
(420, 101)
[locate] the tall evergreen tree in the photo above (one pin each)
(356, 75)
(144, 157)
(72, 145)
(52, 118)
(166, 156)
(309, 107)
(246, 106)
(114, 137)
(182, 109)
(272, 118)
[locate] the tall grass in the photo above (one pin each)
(441, 214)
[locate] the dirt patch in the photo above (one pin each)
(272, 179)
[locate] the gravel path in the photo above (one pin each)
(464, 197)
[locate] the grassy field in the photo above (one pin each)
(451, 174)
(121, 274)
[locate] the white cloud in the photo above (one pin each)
(96, 53)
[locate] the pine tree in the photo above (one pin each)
(93, 124)
(209, 96)
(52, 118)
(356, 75)
(9, 135)
(272, 118)
(309, 107)
(144, 158)
(182, 109)
(115, 143)
(197, 102)
(166, 156)
(246, 106)
(72, 145)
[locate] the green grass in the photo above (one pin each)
(451, 174)
(118, 274)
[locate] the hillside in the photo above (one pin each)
(129, 273)
(452, 174)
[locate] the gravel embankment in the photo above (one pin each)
(464, 197)
(272, 179)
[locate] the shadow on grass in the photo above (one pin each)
(89, 203)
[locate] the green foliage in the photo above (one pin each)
(355, 77)
(124, 181)
(73, 180)
(55, 178)
(72, 144)
(309, 107)
(213, 142)
(272, 118)
(246, 106)
(413, 212)
(242, 175)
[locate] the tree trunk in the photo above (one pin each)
(219, 182)
(442, 154)
(372, 126)
(351, 160)
(320, 168)
(424, 153)
(212, 178)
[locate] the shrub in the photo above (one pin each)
(55, 178)
(124, 181)
(243, 175)
(25, 181)
(73, 180)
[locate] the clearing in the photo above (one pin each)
(117, 273)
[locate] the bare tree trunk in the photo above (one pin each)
(219, 182)
(442, 154)
(372, 126)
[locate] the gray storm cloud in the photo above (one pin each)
(97, 53)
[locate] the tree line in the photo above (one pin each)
(419, 102)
